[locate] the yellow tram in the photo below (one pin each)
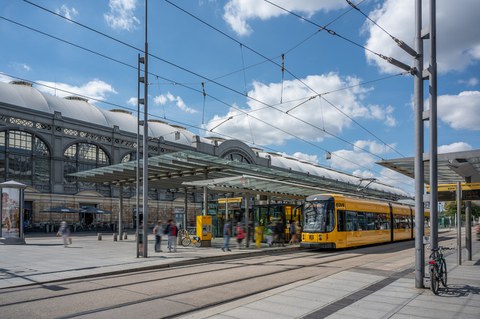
(338, 221)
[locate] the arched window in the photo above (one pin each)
(82, 157)
(237, 157)
(25, 158)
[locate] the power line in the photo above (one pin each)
(285, 69)
(221, 85)
(177, 122)
(189, 71)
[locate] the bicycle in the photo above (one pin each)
(437, 268)
(191, 240)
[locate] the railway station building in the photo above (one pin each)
(78, 160)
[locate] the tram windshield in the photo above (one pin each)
(318, 216)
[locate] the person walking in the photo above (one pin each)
(64, 231)
(227, 233)
(295, 231)
(172, 236)
(157, 231)
(240, 235)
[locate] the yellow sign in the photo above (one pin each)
(230, 200)
(446, 192)
(453, 187)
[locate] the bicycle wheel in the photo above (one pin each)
(443, 271)
(434, 280)
(198, 243)
(186, 242)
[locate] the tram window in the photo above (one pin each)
(370, 224)
(401, 222)
(330, 218)
(361, 224)
(341, 221)
(351, 221)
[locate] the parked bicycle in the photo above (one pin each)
(190, 240)
(437, 268)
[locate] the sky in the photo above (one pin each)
(303, 78)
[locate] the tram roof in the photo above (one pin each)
(187, 169)
(452, 167)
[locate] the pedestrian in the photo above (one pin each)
(278, 233)
(157, 231)
(64, 231)
(295, 230)
(227, 233)
(258, 235)
(240, 235)
(172, 236)
(269, 234)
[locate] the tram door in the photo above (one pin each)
(285, 214)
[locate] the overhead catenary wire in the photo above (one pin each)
(323, 130)
(154, 56)
(399, 42)
(203, 77)
(303, 121)
(170, 120)
(391, 60)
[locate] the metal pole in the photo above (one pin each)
(459, 223)
(137, 186)
(120, 228)
(247, 224)
(205, 200)
(433, 128)
(419, 145)
(468, 224)
(185, 205)
(145, 142)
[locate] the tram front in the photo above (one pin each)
(318, 228)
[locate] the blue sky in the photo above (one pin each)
(334, 95)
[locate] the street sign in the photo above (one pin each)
(447, 192)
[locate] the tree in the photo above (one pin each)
(451, 209)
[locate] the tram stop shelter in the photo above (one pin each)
(456, 167)
(198, 172)
(194, 171)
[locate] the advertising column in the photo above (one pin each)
(11, 213)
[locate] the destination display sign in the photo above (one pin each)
(447, 192)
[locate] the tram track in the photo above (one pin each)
(274, 271)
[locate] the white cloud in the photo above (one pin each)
(177, 100)
(238, 12)
(325, 112)
(471, 82)
(69, 13)
(454, 147)
(458, 44)
(122, 15)
(372, 147)
(95, 89)
(132, 101)
(351, 160)
(460, 111)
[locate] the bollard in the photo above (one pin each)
(99, 236)
(124, 235)
(114, 237)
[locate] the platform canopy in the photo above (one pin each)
(452, 167)
(193, 170)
